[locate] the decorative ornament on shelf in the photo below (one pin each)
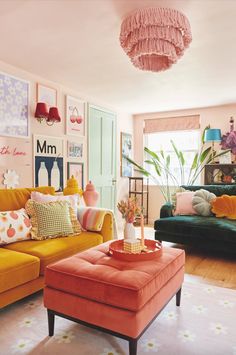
(11, 179)
(72, 187)
(90, 195)
(229, 139)
(154, 38)
(129, 211)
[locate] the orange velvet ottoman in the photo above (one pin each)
(118, 297)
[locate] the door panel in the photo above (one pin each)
(102, 154)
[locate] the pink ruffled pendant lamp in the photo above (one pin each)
(155, 38)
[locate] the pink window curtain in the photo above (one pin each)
(182, 123)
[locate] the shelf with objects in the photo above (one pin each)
(139, 189)
(220, 174)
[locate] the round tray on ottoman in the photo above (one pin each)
(153, 249)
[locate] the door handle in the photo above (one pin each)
(113, 181)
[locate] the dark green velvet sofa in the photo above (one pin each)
(208, 232)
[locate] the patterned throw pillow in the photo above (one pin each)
(14, 226)
(52, 219)
(72, 199)
(202, 202)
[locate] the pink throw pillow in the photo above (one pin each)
(184, 203)
(42, 198)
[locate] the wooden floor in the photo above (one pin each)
(209, 267)
(212, 268)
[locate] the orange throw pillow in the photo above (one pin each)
(224, 206)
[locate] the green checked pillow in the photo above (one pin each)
(52, 219)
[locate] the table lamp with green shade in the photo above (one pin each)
(212, 135)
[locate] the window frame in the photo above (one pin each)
(151, 182)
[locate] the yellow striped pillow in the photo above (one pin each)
(52, 219)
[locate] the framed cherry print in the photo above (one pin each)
(75, 116)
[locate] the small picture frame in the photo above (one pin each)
(47, 95)
(225, 158)
(75, 149)
(125, 150)
(75, 116)
(77, 170)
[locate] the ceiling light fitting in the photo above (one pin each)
(155, 38)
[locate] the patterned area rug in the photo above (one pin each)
(205, 324)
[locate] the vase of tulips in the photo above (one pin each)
(129, 211)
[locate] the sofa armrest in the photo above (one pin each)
(107, 230)
(166, 210)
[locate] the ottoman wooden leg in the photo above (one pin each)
(51, 321)
(133, 346)
(178, 297)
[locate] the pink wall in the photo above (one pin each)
(217, 117)
(24, 166)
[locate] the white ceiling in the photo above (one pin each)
(76, 43)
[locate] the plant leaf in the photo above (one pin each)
(168, 161)
(203, 134)
(149, 162)
(140, 168)
(142, 172)
(204, 154)
(194, 164)
(181, 156)
(175, 148)
(157, 168)
(153, 154)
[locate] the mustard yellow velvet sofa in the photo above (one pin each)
(22, 264)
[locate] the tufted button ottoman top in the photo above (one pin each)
(94, 275)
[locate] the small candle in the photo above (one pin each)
(142, 230)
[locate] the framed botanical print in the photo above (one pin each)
(47, 95)
(77, 170)
(125, 150)
(75, 116)
(14, 106)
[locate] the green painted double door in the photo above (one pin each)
(102, 154)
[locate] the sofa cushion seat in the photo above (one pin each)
(51, 250)
(96, 276)
(206, 228)
(17, 269)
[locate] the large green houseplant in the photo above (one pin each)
(161, 163)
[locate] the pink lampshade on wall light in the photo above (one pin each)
(53, 115)
(41, 113)
(154, 38)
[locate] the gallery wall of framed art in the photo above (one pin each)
(19, 94)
